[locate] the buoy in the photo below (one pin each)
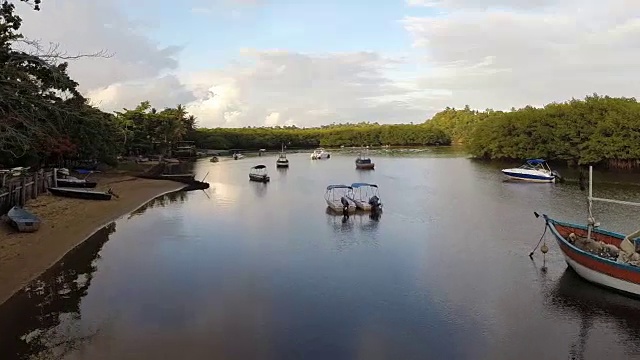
(544, 248)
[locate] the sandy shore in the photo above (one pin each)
(67, 222)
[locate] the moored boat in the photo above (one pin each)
(81, 193)
(364, 163)
(319, 154)
(337, 200)
(365, 196)
(214, 159)
(238, 156)
(533, 170)
(66, 180)
(259, 173)
(282, 161)
(605, 258)
(23, 220)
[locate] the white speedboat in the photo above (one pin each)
(319, 154)
(337, 198)
(534, 170)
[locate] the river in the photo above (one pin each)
(247, 270)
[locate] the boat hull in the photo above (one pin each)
(337, 206)
(77, 184)
(528, 175)
(79, 194)
(22, 220)
(360, 204)
(282, 164)
(259, 178)
(621, 277)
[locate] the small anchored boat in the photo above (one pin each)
(81, 193)
(214, 159)
(363, 162)
(365, 196)
(259, 173)
(319, 154)
(65, 180)
(23, 220)
(605, 258)
(337, 200)
(533, 170)
(282, 161)
(238, 156)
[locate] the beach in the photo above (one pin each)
(67, 222)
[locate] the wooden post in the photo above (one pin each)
(23, 190)
(34, 189)
(55, 177)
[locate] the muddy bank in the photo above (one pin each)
(67, 222)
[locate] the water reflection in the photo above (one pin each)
(41, 321)
(161, 201)
(260, 189)
(572, 296)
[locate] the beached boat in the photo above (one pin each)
(81, 193)
(365, 196)
(214, 159)
(363, 162)
(238, 156)
(319, 154)
(23, 220)
(259, 173)
(282, 161)
(337, 200)
(602, 257)
(65, 180)
(533, 170)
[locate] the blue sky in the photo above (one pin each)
(213, 36)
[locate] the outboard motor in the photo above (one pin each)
(375, 203)
(557, 176)
(345, 206)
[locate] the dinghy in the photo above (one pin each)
(81, 193)
(23, 220)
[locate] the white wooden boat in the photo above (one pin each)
(337, 200)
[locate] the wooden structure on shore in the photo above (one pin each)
(18, 189)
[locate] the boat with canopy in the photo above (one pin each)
(533, 170)
(365, 196)
(259, 173)
(337, 199)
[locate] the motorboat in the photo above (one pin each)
(238, 156)
(363, 162)
(337, 198)
(605, 258)
(365, 196)
(66, 180)
(533, 170)
(214, 159)
(23, 220)
(282, 161)
(259, 173)
(319, 154)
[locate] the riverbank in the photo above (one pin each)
(66, 223)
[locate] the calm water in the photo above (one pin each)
(253, 271)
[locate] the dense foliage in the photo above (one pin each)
(333, 135)
(596, 130)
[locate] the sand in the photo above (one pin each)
(66, 223)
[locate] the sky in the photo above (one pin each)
(236, 63)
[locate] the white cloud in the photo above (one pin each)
(501, 58)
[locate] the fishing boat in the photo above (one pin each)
(66, 180)
(81, 193)
(605, 258)
(259, 173)
(365, 196)
(363, 162)
(282, 161)
(533, 170)
(23, 220)
(337, 198)
(319, 154)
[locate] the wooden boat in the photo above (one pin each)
(364, 163)
(282, 161)
(81, 193)
(259, 173)
(23, 220)
(365, 196)
(605, 258)
(337, 199)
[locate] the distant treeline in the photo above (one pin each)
(330, 136)
(598, 130)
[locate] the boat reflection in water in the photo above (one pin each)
(348, 229)
(598, 309)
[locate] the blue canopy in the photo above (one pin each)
(536, 161)
(330, 187)
(357, 185)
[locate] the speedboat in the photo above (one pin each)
(365, 196)
(364, 162)
(319, 154)
(337, 198)
(534, 170)
(259, 173)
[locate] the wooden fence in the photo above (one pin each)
(18, 190)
